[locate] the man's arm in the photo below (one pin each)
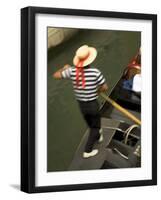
(58, 74)
(103, 88)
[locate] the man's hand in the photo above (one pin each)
(103, 88)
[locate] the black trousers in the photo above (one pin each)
(90, 111)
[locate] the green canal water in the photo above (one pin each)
(65, 124)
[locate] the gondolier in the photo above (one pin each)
(88, 82)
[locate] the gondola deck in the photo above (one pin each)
(96, 162)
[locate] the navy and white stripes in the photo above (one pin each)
(93, 79)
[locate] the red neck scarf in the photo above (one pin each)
(80, 70)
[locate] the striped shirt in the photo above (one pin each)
(93, 79)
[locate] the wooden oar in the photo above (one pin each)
(121, 109)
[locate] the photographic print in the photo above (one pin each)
(88, 99)
(86, 131)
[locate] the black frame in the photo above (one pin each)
(28, 98)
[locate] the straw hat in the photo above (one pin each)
(85, 54)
